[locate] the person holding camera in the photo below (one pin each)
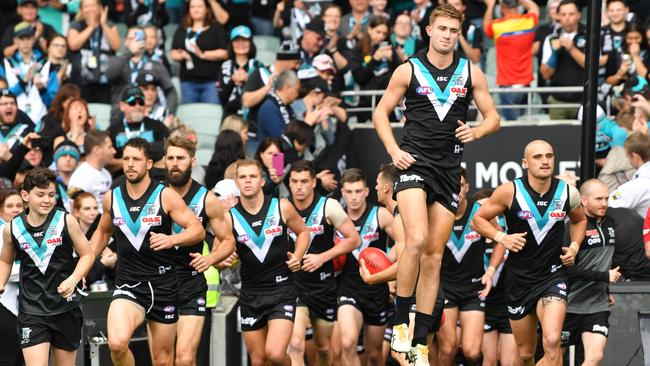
(627, 62)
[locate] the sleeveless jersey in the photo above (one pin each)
(46, 259)
(195, 200)
(134, 221)
(435, 100)
(497, 294)
(372, 235)
(542, 217)
(262, 247)
(321, 239)
(462, 261)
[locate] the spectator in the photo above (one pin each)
(142, 13)
(199, 45)
(291, 20)
(155, 46)
(262, 17)
(630, 253)
(268, 148)
(234, 72)
(52, 122)
(627, 60)
(296, 141)
(470, 42)
(325, 69)
(237, 124)
(76, 124)
(259, 85)
(92, 39)
(513, 35)
(337, 44)
(402, 40)
(136, 124)
(311, 42)
(58, 13)
(123, 72)
(55, 71)
(552, 26)
(355, 23)
(198, 171)
(620, 19)
(27, 12)
(227, 149)
(154, 106)
(91, 176)
(563, 59)
(379, 8)
(635, 194)
(66, 159)
(12, 131)
(21, 72)
(276, 112)
(85, 210)
(420, 18)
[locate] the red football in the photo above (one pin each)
(376, 260)
(339, 262)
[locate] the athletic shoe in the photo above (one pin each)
(399, 341)
(418, 356)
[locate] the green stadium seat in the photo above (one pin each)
(102, 112)
(203, 156)
(205, 119)
(267, 43)
(266, 57)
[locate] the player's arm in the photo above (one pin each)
(336, 216)
(577, 228)
(498, 252)
(396, 89)
(224, 243)
(493, 207)
(102, 234)
(7, 256)
(394, 229)
(86, 257)
(485, 104)
(294, 223)
(184, 217)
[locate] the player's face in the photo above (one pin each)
(595, 202)
(540, 160)
(302, 185)
(249, 180)
(380, 188)
(354, 194)
(443, 33)
(464, 188)
(87, 212)
(179, 166)
(135, 165)
(12, 207)
(40, 200)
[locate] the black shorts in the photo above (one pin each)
(321, 307)
(465, 298)
(522, 305)
(159, 299)
(191, 292)
(441, 185)
(374, 311)
(576, 324)
(62, 331)
(390, 315)
(257, 310)
(496, 318)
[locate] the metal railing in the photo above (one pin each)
(529, 107)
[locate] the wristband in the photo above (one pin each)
(70, 278)
(498, 237)
(490, 271)
(574, 246)
(552, 60)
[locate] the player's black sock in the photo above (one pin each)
(402, 309)
(422, 327)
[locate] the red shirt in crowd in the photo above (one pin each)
(646, 228)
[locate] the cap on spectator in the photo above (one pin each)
(67, 147)
(317, 25)
(241, 31)
(25, 2)
(323, 63)
(147, 78)
(7, 93)
(316, 84)
(288, 51)
(510, 3)
(132, 94)
(24, 29)
(226, 188)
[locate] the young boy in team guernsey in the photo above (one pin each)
(43, 239)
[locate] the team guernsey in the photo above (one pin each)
(536, 271)
(267, 290)
(46, 257)
(496, 315)
(371, 300)
(193, 287)
(462, 264)
(317, 290)
(144, 276)
(435, 101)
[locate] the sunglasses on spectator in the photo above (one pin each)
(133, 102)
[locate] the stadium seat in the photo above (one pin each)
(122, 29)
(176, 81)
(203, 156)
(266, 57)
(103, 114)
(266, 43)
(205, 119)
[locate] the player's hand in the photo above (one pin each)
(514, 242)
(568, 257)
(293, 263)
(365, 274)
(312, 262)
(614, 275)
(401, 159)
(159, 241)
(66, 288)
(487, 281)
(611, 300)
(228, 262)
(464, 133)
(200, 262)
(108, 258)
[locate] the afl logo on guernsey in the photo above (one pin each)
(524, 215)
(118, 221)
(243, 238)
(424, 90)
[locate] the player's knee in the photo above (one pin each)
(258, 360)
(297, 346)
(551, 342)
(184, 359)
(415, 243)
(163, 358)
(594, 357)
(118, 346)
(276, 355)
(448, 348)
(323, 349)
(472, 354)
(349, 344)
(526, 353)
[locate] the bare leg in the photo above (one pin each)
(37, 355)
(551, 311)
(277, 341)
(525, 332)
(471, 323)
(124, 317)
(188, 336)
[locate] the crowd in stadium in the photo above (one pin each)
(276, 71)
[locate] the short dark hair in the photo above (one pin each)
(303, 166)
(568, 2)
(249, 162)
(447, 11)
(140, 144)
(616, 1)
(94, 138)
(463, 173)
(38, 178)
(181, 142)
(388, 172)
(354, 175)
(5, 194)
(301, 132)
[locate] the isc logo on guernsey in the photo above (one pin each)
(424, 90)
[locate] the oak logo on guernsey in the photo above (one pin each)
(152, 220)
(57, 240)
(472, 236)
(274, 231)
(424, 90)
